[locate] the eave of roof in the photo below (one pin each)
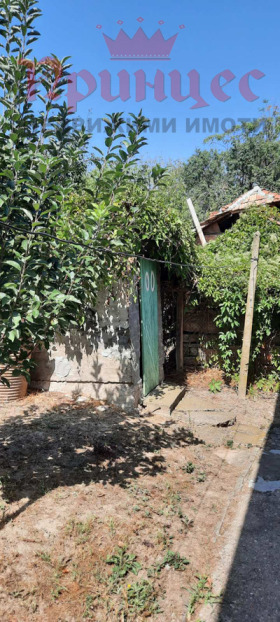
(256, 196)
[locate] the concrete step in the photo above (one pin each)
(164, 398)
(205, 411)
(193, 402)
(218, 418)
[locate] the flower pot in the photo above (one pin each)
(17, 389)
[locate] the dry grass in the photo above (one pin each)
(80, 486)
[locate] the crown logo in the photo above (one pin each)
(140, 47)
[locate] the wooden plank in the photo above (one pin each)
(196, 222)
(247, 335)
(180, 331)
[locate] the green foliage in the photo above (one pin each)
(205, 181)
(45, 557)
(202, 592)
(269, 384)
(141, 599)
(175, 560)
(224, 282)
(47, 286)
(41, 286)
(123, 563)
(229, 444)
(248, 153)
(79, 529)
(189, 467)
(171, 193)
(215, 386)
(170, 559)
(253, 152)
(201, 476)
(131, 211)
(88, 610)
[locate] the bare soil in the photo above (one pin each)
(82, 482)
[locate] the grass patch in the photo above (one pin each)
(189, 467)
(122, 563)
(171, 559)
(187, 522)
(88, 611)
(57, 591)
(142, 599)
(45, 557)
(202, 592)
(79, 529)
(201, 476)
(164, 539)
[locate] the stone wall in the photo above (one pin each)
(102, 361)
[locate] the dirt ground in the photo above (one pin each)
(109, 516)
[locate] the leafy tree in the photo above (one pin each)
(172, 191)
(206, 181)
(247, 154)
(123, 204)
(39, 293)
(253, 153)
(45, 284)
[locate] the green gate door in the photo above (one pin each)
(149, 325)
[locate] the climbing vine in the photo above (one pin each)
(223, 281)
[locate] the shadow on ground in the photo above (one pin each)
(253, 588)
(68, 445)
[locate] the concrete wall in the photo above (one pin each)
(103, 361)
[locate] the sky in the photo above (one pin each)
(238, 36)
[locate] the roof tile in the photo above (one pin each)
(259, 197)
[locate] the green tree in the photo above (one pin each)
(252, 153)
(39, 292)
(46, 285)
(247, 154)
(206, 181)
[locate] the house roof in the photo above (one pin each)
(256, 196)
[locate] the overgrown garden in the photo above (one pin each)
(74, 218)
(223, 282)
(46, 284)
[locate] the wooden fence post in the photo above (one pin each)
(247, 335)
(196, 222)
(180, 330)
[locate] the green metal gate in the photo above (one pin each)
(149, 325)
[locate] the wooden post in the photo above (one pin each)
(247, 336)
(196, 222)
(180, 331)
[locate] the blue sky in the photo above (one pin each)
(239, 36)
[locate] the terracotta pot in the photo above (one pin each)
(17, 389)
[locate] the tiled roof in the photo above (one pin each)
(256, 196)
